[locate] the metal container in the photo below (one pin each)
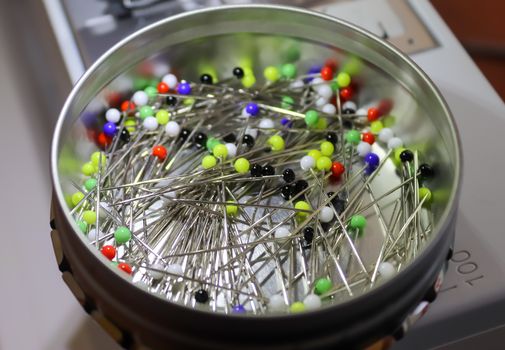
(223, 36)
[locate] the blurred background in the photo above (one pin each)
(45, 46)
(478, 25)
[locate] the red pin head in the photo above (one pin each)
(337, 169)
(162, 88)
(109, 251)
(326, 73)
(160, 152)
(373, 114)
(368, 137)
(125, 267)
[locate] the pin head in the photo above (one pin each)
(343, 80)
(90, 184)
(373, 114)
(346, 94)
(326, 73)
(332, 137)
(368, 137)
(184, 134)
(209, 162)
(357, 222)
(200, 139)
(252, 108)
(248, 140)
(109, 129)
(127, 106)
(426, 171)
(256, 170)
(299, 186)
(220, 151)
(324, 163)
(311, 118)
(125, 267)
(184, 88)
(327, 148)
(230, 138)
(103, 140)
(302, 205)
(297, 307)
(125, 135)
(146, 111)
(211, 143)
(122, 235)
(286, 192)
(276, 142)
(83, 226)
(268, 170)
(353, 137)
(242, 165)
(372, 160)
(287, 102)
(160, 152)
(172, 129)
(113, 115)
(337, 169)
(162, 88)
(201, 296)
(162, 117)
(288, 175)
(339, 205)
(271, 73)
(89, 217)
(206, 79)
(77, 197)
(238, 72)
(239, 309)
(425, 193)
(406, 156)
(171, 100)
(322, 285)
(231, 209)
(109, 251)
(308, 234)
(288, 70)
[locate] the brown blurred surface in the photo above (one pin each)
(479, 25)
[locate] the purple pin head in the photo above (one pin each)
(184, 88)
(313, 70)
(252, 108)
(109, 129)
(286, 122)
(239, 309)
(372, 160)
